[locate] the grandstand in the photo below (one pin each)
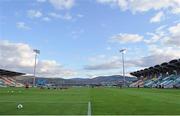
(8, 78)
(165, 75)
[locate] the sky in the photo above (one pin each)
(82, 38)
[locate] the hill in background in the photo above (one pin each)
(100, 80)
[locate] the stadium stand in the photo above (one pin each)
(7, 78)
(165, 75)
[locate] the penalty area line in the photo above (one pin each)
(89, 109)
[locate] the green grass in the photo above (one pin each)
(103, 101)
(37, 101)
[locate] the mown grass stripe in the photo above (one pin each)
(89, 109)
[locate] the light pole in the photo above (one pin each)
(36, 51)
(123, 51)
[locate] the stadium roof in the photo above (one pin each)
(10, 73)
(166, 66)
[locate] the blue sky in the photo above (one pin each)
(84, 36)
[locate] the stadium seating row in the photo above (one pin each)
(5, 82)
(171, 81)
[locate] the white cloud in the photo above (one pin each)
(158, 55)
(16, 54)
(62, 4)
(108, 48)
(127, 38)
(154, 38)
(174, 35)
(158, 17)
(80, 15)
(157, 52)
(41, 0)
(50, 68)
(46, 19)
(163, 47)
(102, 62)
(123, 4)
(55, 15)
(107, 1)
(138, 6)
(176, 10)
(143, 5)
(146, 5)
(64, 17)
(77, 33)
(103, 66)
(67, 16)
(157, 35)
(175, 30)
(22, 25)
(34, 14)
(20, 57)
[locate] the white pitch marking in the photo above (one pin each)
(89, 109)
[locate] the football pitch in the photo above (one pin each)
(94, 101)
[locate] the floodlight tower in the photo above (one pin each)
(123, 52)
(36, 51)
